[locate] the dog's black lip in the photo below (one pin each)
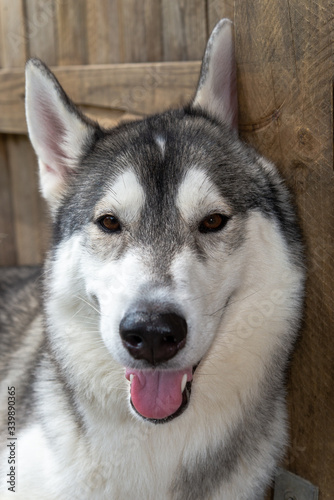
(185, 402)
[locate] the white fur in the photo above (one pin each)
(197, 196)
(221, 380)
(161, 142)
(96, 464)
(125, 198)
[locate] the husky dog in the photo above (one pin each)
(172, 297)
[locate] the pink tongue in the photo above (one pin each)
(157, 394)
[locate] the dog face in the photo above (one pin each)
(161, 245)
(150, 221)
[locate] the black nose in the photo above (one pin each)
(153, 337)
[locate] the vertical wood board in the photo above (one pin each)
(184, 29)
(8, 255)
(103, 31)
(285, 73)
(141, 30)
(71, 32)
(41, 30)
(219, 9)
(13, 36)
(29, 212)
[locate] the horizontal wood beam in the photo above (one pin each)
(108, 93)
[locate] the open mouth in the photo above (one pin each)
(159, 396)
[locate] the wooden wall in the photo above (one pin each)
(285, 54)
(285, 76)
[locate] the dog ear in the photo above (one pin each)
(58, 131)
(217, 87)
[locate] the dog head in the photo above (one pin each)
(151, 221)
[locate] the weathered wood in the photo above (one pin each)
(71, 32)
(103, 32)
(141, 30)
(1, 43)
(13, 40)
(218, 9)
(285, 74)
(132, 88)
(29, 212)
(7, 238)
(41, 30)
(184, 29)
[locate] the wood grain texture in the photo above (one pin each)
(71, 32)
(13, 53)
(2, 54)
(219, 9)
(13, 33)
(8, 255)
(141, 30)
(138, 89)
(103, 31)
(41, 30)
(29, 212)
(184, 29)
(285, 73)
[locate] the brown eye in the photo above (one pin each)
(212, 223)
(109, 223)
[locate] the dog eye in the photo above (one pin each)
(212, 223)
(109, 223)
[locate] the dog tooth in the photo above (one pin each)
(131, 377)
(183, 382)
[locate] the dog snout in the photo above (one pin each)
(154, 338)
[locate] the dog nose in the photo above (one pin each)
(153, 337)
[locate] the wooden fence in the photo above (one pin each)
(121, 59)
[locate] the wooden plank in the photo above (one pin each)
(285, 69)
(141, 30)
(184, 29)
(41, 26)
(29, 212)
(7, 238)
(13, 48)
(71, 32)
(1, 42)
(103, 32)
(13, 41)
(131, 88)
(41, 30)
(218, 9)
